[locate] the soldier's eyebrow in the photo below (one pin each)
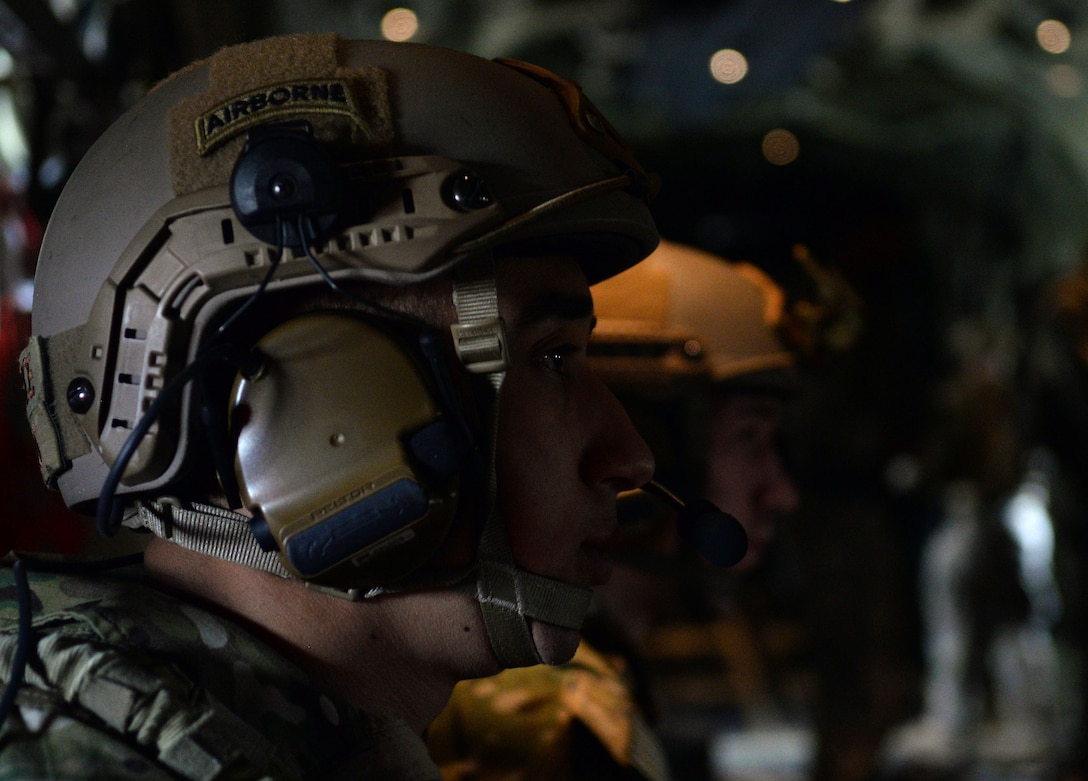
(555, 306)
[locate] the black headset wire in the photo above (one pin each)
(109, 510)
(307, 235)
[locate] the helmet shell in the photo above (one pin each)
(684, 313)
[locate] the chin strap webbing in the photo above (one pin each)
(206, 529)
(508, 595)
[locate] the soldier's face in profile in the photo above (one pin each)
(565, 445)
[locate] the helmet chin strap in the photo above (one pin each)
(509, 596)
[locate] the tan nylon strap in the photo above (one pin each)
(502, 601)
(476, 300)
(534, 596)
(209, 530)
(479, 336)
(508, 595)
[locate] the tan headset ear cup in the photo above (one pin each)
(322, 454)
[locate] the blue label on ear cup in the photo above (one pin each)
(350, 531)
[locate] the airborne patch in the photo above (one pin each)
(297, 98)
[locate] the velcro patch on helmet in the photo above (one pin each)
(293, 77)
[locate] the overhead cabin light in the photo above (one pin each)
(400, 24)
(1053, 36)
(781, 147)
(728, 66)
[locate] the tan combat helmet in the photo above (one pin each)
(684, 313)
(289, 166)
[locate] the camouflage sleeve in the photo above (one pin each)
(572, 722)
(39, 744)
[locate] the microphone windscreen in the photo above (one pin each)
(717, 535)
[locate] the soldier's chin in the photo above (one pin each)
(555, 644)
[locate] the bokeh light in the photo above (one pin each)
(728, 66)
(400, 24)
(1065, 81)
(781, 147)
(1053, 36)
(65, 10)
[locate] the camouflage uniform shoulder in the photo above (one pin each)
(127, 680)
(572, 721)
(53, 595)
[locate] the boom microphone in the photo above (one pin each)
(716, 534)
